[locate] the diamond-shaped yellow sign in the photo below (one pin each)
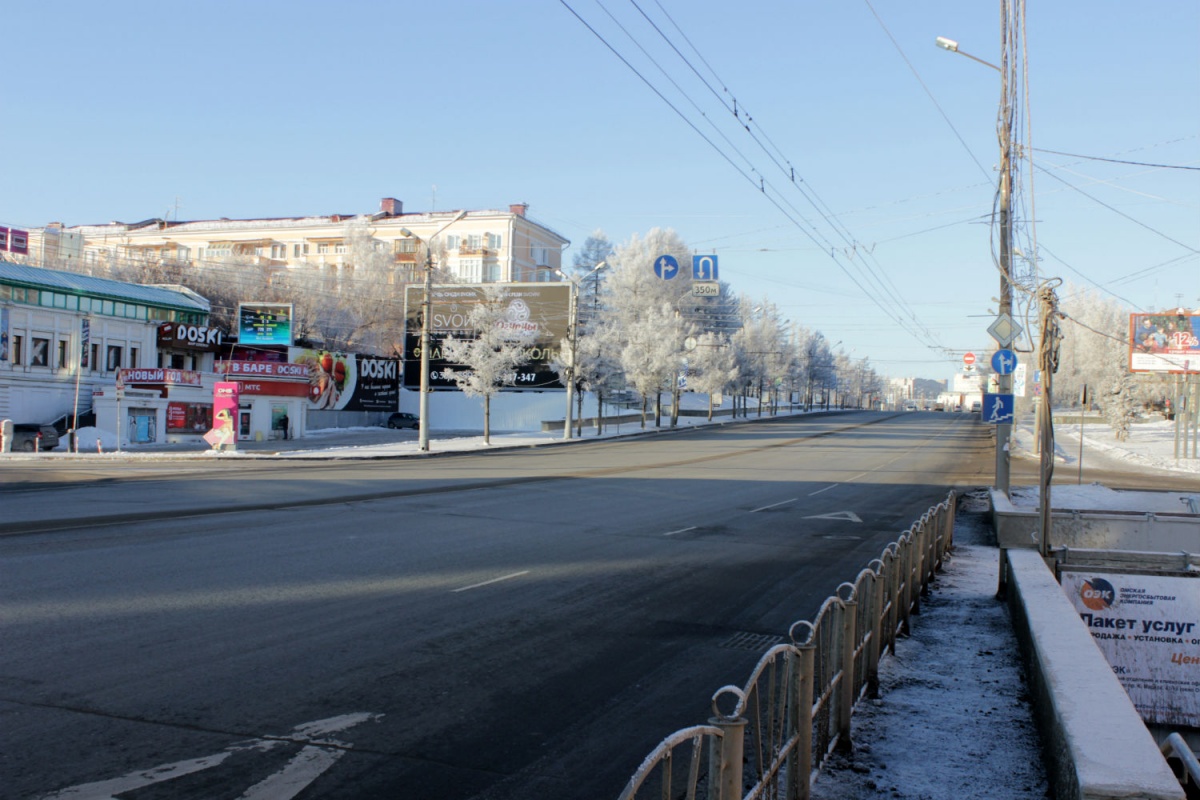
(1005, 330)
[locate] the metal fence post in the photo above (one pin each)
(725, 759)
(800, 768)
(849, 612)
(876, 629)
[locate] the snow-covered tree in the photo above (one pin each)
(489, 360)
(712, 366)
(643, 321)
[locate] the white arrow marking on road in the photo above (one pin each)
(847, 515)
(290, 781)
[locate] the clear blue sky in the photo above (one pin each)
(121, 110)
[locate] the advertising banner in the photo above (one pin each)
(1164, 342)
(541, 308)
(189, 417)
(85, 338)
(1148, 627)
(225, 414)
(263, 369)
(265, 323)
(158, 376)
(181, 336)
(349, 381)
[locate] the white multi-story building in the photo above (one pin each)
(488, 246)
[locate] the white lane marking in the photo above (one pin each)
(681, 530)
(307, 765)
(112, 788)
(489, 583)
(846, 515)
(839, 483)
(774, 505)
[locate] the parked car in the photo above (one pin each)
(976, 407)
(402, 419)
(29, 436)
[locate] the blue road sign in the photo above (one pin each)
(1004, 362)
(666, 267)
(998, 409)
(704, 268)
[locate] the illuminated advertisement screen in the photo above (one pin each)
(265, 323)
(1168, 342)
(542, 307)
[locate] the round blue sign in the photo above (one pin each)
(666, 267)
(1004, 362)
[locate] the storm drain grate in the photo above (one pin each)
(751, 641)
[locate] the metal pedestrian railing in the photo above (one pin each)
(795, 709)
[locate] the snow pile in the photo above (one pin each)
(1150, 444)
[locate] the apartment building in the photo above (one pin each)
(484, 246)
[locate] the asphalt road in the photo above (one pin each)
(502, 625)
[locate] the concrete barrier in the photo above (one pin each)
(1097, 747)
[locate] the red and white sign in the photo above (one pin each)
(158, 376)
(274, 388)
(262, 369)
(968, 359)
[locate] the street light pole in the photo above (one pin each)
(1004, 133)
(426, 328)
(573, 338)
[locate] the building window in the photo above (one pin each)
(322, 248)
(405, 245)
(491, 273)
(453, 241)
(279, 252)
(295, 251)
(494, 241)
(39, 353)
(133, 357)
(94, 363)
(474, 241)
(340, 247)
(113, 362)
(17, 342)
(62, 354)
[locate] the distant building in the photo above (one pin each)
(486, 246)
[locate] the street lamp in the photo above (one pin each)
(426, 325)
(573, 336)
(1004, 132)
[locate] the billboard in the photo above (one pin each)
(543, 308)
(349, 381)
(265, 323)
(1168, 342)
(1148, 627)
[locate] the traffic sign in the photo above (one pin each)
(998, 409)
(1005, 330)
(1004, 362)
(666, 267)
(706, 289)
(704, 268)
(968, 358)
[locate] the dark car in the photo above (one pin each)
(403, 419)
(29, 436)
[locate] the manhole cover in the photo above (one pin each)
(751, 641)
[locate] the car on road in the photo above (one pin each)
(402, 419)
(29, 436)
(976, 407)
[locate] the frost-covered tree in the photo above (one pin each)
(488, 361)
(1094, 352)
(712, 366)
(643, 321)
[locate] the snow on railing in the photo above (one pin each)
(795, 708)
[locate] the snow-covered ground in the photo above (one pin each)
(1150, 445)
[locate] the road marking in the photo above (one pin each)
(773, 505)
(302, 770)
(681, 530)
(489, 583)
(854, 478)
(846, 515)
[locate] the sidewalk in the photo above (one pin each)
(953, 718)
